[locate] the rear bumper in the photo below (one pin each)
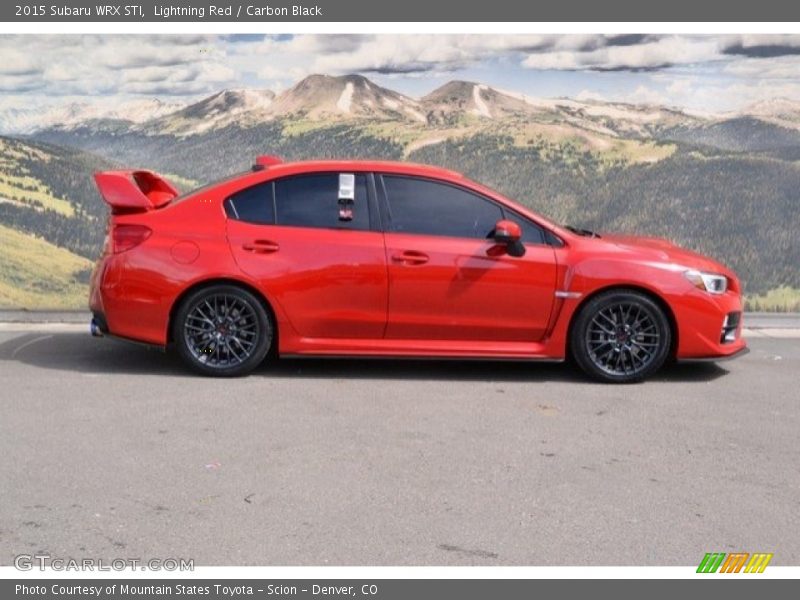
(98, 328)
(126, 304)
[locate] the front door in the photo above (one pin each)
(446, 283)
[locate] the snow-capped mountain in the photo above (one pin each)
(242, 107)
(76, 114)
(352, 96)
(316, 98)
(326, 98)
(781, 111)
(461, 98)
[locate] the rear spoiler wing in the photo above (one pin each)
(134, 191)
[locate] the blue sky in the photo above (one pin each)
(698, 73)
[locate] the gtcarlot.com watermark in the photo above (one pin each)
(44, 562)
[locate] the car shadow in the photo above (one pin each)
(77, 352)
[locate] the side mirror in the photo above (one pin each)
(509, 234)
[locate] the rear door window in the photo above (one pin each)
(313, 201)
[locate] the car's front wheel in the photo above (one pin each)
(222, 330)
(620, 336)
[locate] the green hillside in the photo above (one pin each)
(48, 191)
(52, 222)
(19, 187)
(36, 274)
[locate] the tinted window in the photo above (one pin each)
(253, 205)
(431, 208)
(313, 201)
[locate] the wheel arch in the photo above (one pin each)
(198, 285)
(654, 296)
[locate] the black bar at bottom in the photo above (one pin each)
(733, 586)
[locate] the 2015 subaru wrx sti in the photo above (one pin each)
(363, 258)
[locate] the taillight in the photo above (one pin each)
(126, 237)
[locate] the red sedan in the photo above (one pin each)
(382, 259)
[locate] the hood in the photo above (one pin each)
(666, 251)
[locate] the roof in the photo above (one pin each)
(384, 166)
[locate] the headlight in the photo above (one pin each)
(712, 283)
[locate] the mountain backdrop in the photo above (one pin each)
(727, 185)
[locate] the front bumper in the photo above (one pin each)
(709, 326)
(741, 352)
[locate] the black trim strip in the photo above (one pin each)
(707, 359)
(425, 357)
(372, 202)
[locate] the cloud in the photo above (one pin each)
(20, 83)
(404, 54)
(646, 55)
(589, 95)
(188, 79)
(238, 38)
(91, 65)
(651, 53)
(784, 67)
(761, 46)
(332, 43)
(674, 69)
(202, 72)
(133, 54)
(16, 62)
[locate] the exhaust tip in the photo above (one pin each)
(94, 329)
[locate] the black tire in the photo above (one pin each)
(620, 336)
(222, 331)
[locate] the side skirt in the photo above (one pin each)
(416, 349)
(426, 357)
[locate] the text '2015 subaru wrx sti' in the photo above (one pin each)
(383, 259)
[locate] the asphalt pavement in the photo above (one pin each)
(111, 450)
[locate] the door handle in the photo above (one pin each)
(261, 247)
(410, 257)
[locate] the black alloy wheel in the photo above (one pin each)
(222, 330)
(621, 336)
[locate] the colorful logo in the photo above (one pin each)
(737, 562)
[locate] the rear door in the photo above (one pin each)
(327, 273)
(444, 283)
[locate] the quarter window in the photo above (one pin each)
(427, 207)
(313, 201)
(253, 205)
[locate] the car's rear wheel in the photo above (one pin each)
(222, 330)
(621, 336)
